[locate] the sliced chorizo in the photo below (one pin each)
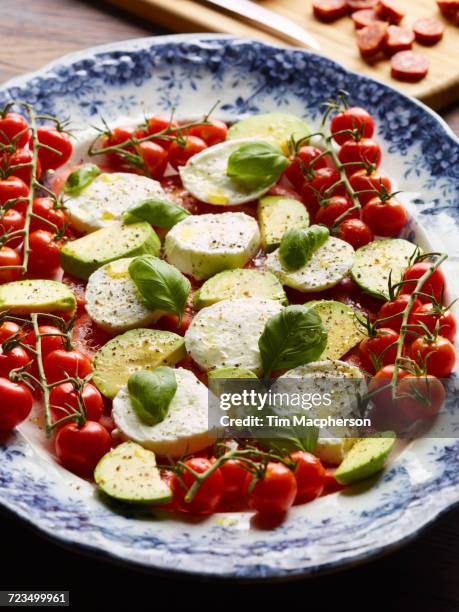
(428, 31)
(329, 10)
(364, 18)
(398, 39)
(409, 66)
(358, 5)
(370, 39)
(449, 8)
(390, 11)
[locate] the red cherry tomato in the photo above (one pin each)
(310, 476)
(393, 312)
(302, 163)
(44, 255)
(369, 184)
(435, 319)
(355, 232)
(9, 257)
(275, 492)
(12, 221)
(170, 322)
(178, 155)
(51, 339)
(159, 123)
(325, 183)
(333, 208)
(12, 188)
(435, 285)
(154, 157)
(44, 207)
(14, 165)
(209, 494)
(59, 141)
(16, 402)
(420, 397)
(117, 136)
(17, 357)
(357, 154)
(234, 477)
(8, 329)
(385, 414)
(80, 448)
(386, 218)
(14, 130)
(65, 397)
(59, 363)
(438, 355)
(379, 350)
(356, 119)
(212, 134)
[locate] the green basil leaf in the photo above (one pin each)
(292, 338)
(256, 164)
(79, 179)
(290, 438)
(161, 285)
(298, 245)
(151, 393)
(161, 213)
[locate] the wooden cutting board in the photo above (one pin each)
(337, 40)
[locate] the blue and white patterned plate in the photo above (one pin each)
(190, 73)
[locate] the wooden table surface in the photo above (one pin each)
(422, 576)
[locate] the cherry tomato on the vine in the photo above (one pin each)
(79, 448)
(385, 414)
(44, 255)
(14, 130)
(357, 154)
(384, 218)
(12, 221)
(324, 184)
(369, 184)
(393, 312)
(434, 286)
(356, 119)
(159, 123)
(9, 257)
(213, 133)
(154, 158)
(117, 136)
(13, 164)
(209, 494)
(333, 208)
(275, 492)
(17, 357)
(60, 363)
(51, 339)
(310, 476)
(355, 232)
(235, 477)
(65, 397)
(44, 207)
(304, 162)
(437, 354)
(7, 330)
(379, 350)
(13, 188)
(57, 140)
(420, 397)
(441, 320)
(16, 402)
(178, 155)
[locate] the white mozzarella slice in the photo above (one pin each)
(327, 266)
(204, 176)
(108, 197)
(202, 245)
(185, 428)
(226, 334)
(113, 301)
